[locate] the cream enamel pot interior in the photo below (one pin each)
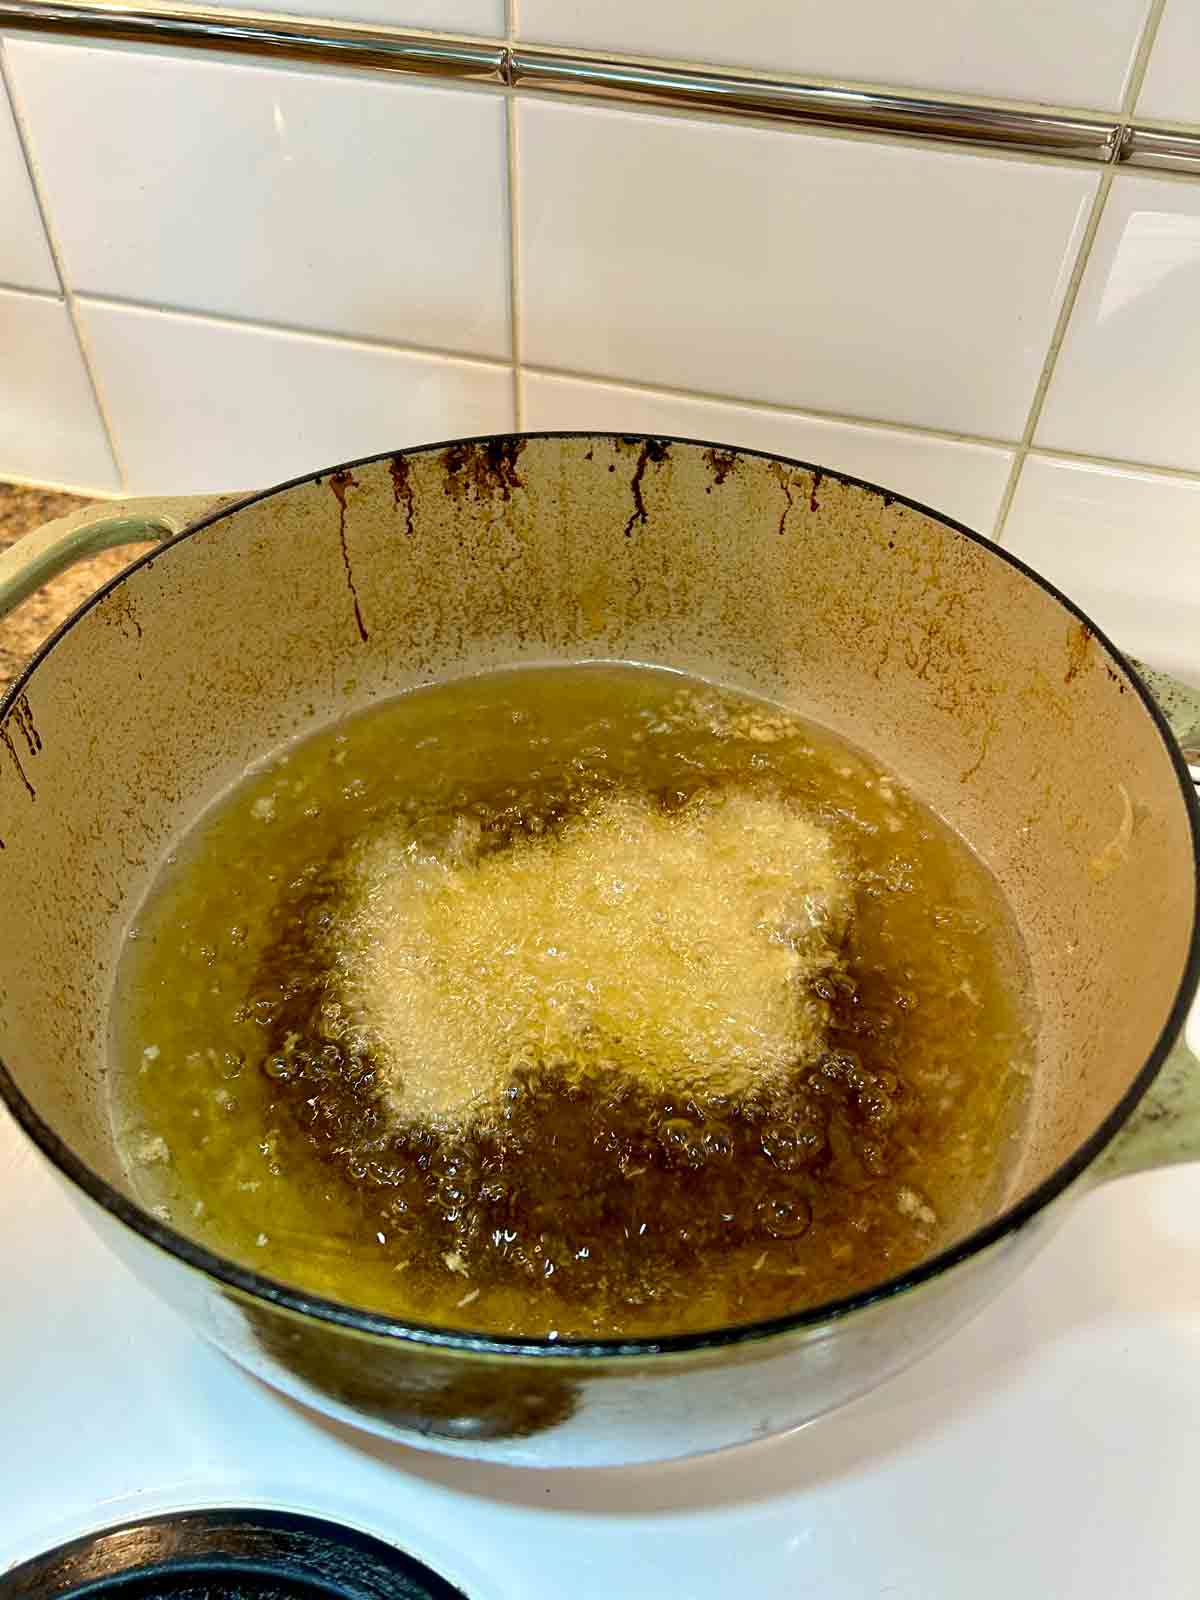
(985, 689)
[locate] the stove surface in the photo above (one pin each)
(1051, 1448)
(227, 1555)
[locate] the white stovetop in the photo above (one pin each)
(1051, 1449)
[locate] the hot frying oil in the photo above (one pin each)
(588, 1000)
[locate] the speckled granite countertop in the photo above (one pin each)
(20, 634)
(22, 509)
(1180, 705)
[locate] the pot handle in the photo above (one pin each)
(50, 549)
(1165, 1126)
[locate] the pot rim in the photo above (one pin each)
(259, 1286)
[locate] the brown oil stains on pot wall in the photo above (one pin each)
(20, 718)
(340, 482)
(651, 451)
(400, 468)
(14, 757)
(483, 469)
(783, 477)
(22, 715)
(119, 611)
(722, 463)
(1079, 641)
(418, 1388)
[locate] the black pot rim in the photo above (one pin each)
(258, 1286)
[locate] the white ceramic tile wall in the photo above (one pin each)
(1071, 52)
(1171, 89)
(251, 406)
(1124, 545)
(25, 260)
(1127, 382)
(339, 202)
(50, 430)
(861, 302)
(442, 16)
(965, 480)
(827, 274)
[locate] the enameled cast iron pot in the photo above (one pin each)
(986, 690)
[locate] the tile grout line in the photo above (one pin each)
(851, 420)
(1137, 72)
(511, 26)
(1057, 336)
(55, 486)
(1020, 448)
(406, 347)
(514, 263)
(296, 330)
(36, 294)
(1084, 459)
(608, 380)
(867, 424)
(1141, 59)
(773, 407)
(68, 295)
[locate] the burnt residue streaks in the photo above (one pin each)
(484, 469)
(23, 717)
(340, 482)
(119, 612)
(652, 450)
(1078, 643)
(400, 468)
(813, 503)
(722, 463)
(785, 483)
(6, 739)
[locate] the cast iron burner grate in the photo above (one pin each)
(226, 1555)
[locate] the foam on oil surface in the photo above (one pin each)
(584, 1000)
(678, 947)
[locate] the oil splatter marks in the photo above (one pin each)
(340, 483)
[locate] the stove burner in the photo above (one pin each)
(226, 1555)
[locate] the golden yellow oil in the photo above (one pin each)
(253, 1106)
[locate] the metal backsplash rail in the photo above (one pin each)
(791, 103)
